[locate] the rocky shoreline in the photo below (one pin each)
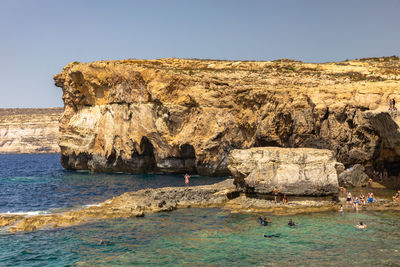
(137, 204)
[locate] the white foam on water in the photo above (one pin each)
(92, 205)
(30, 213)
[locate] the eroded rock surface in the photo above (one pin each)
(131, 204)
(177, 115)
(295, 171)
(354, 176)
(29, 130)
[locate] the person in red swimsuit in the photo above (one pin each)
(187, 176)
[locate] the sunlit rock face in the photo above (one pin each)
(294, 171)
(176, 115)
(29, 130)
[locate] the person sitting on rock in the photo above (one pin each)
(397, 196)
(362, 199)
(284, 199)
(342, 190)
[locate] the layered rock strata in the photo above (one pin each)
(294, 171)
(29, 130)
(177, 115)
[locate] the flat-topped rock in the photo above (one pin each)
(295, 171)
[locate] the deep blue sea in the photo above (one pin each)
(186, 237)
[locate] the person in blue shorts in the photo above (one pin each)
(370, 198)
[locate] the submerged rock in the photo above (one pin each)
(295, 171)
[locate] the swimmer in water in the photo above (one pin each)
(291, 223)
(273, 235)
(361, 225)
(341, 209)
(105, 243)
(264, 221)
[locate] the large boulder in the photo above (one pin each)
(296, 171)
(354, 176)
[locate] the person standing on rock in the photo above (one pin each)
(370, 198)
(187, 176)
(276, 192)
(348, 199)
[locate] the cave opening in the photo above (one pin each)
(187, 155)
(392, 168)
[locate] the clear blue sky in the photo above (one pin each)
(39, 37)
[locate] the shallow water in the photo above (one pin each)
(213, 237)
(187, 237)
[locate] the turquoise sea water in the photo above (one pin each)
(206, 237)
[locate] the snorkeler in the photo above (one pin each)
(273, 235)
(291, 223)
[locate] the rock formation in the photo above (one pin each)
(354, 176)
(29, 130)
(177, 115)
(294, 171)
(140, 203)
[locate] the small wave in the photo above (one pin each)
(92, 205)
(30, 213)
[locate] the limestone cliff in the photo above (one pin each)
(177, 115)
(29, 130)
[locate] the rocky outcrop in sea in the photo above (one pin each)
(178, 115)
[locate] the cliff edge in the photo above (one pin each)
(181, 115)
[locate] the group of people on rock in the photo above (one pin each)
(392, 105)
(275, 192)
(356, 201)
(380, 176)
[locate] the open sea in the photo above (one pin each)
(187, 237)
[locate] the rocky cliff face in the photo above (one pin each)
(294, 171)
(176, 115)
(29, 130)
